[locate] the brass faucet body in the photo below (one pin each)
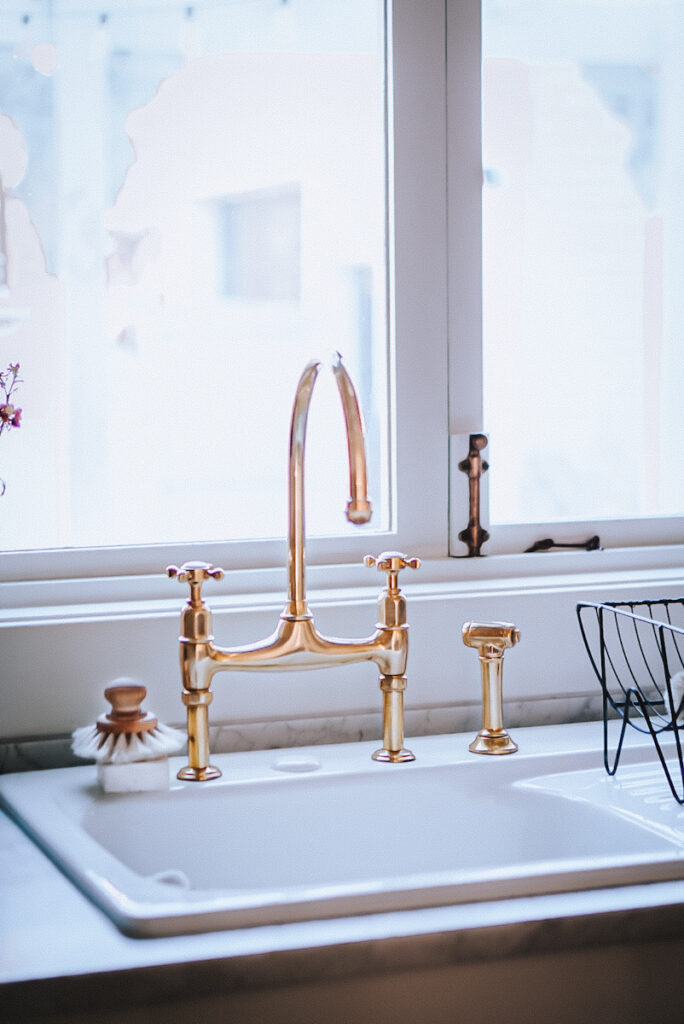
(491, 640)
(296, 644)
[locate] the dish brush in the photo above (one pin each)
(128, 744)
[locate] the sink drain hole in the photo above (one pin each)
(296, 764)
(172, 876)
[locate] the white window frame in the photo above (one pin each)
(464, 46)
(435, 315)
(71, 621)
(416, 319)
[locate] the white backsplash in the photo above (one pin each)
(55, 752)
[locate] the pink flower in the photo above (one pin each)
(9, 415)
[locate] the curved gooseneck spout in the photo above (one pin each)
(358, 509)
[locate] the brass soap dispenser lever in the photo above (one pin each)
(491, 639)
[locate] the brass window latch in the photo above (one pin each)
(474, 466)
(491, 640)
(591, 544)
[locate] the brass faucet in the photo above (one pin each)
(296, 643)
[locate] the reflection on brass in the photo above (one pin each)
(296, 644)
(491, 640)
(474, 465)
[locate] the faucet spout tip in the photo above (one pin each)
(359, 511)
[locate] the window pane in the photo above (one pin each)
(583, 103)
(193, 208)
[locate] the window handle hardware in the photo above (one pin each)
(592, 544)
(474, 466)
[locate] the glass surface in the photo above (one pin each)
(193, 207)
(583, 105)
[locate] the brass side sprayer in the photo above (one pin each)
(490, 640)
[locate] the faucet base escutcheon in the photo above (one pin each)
(393, 756)
(189, 774)
(493, 741)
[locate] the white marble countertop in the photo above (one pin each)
(55, 946)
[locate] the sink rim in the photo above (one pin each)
(127, 898)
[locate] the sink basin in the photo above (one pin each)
(325, 831)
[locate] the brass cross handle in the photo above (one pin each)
(392, 562)
(194, 573)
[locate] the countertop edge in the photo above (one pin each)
(350, 958)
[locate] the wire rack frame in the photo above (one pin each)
(636, 649)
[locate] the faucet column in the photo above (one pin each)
(392, 621)
(195, 642)
(393, 748)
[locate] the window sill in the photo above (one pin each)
(266, 587)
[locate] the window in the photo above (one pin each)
(259, 246)
(194, 205)
(211, 284)
(582, 321)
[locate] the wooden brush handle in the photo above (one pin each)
(126, 714)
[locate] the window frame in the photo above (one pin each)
(434, 244)
(464, 55)
(416, 231)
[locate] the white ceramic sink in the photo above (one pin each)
(326, 832)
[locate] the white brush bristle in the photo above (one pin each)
(125, 748)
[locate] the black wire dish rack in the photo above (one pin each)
(636, 649)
